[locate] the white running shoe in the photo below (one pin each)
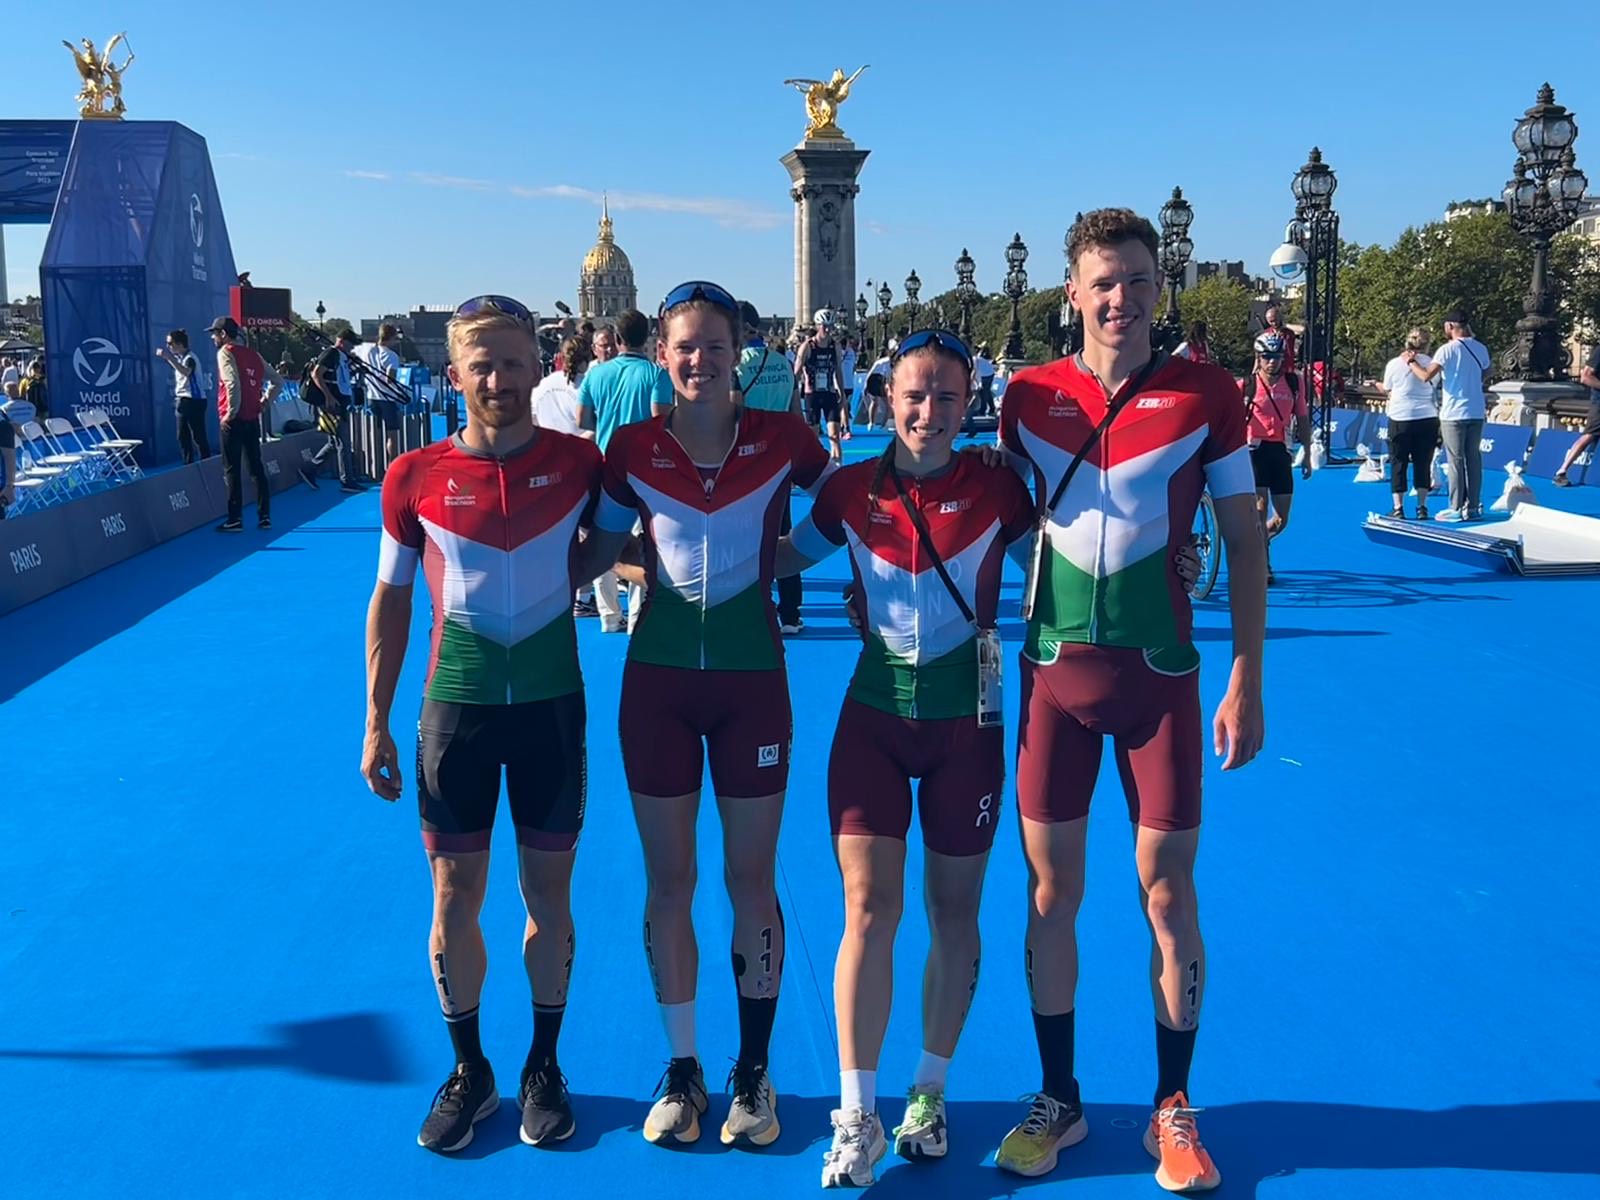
(674, 1118)
(858, 1147)
(922, 1132)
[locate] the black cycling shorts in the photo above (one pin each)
(461, 749)
(1274, 468)
(822, 407)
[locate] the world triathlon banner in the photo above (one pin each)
(137, 246)
(33, 155)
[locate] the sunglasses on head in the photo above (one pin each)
(500, 304)
(929, 337)
(699, 289)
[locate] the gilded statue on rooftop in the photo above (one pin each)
(100, 97)
(823, 98)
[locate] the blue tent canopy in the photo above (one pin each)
(137, 246)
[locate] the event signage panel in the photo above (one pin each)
(33, 155)
(260, 307)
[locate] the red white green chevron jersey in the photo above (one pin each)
(497, 540)
(710, 536)
(1109, 579)
(920, 657)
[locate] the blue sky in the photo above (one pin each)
(422, 153)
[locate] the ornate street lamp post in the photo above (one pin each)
(1071, 318)
(1316, 231)
(913, 286)
(1543, 198)
(321, 312)
(1016, 287)
(861, 314)
(1176, 249)
(966, 292)
(885, 299)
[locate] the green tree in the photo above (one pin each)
(1224, 305)
(1476, 262)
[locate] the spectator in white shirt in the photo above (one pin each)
(1413, 412)
(555, 400)
(1460, 365)
(380, 358)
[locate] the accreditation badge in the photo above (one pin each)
(990, 698)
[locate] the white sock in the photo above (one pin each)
(858, 1089)
(678, 1020)
(931, 1072)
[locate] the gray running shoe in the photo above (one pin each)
(464, 1099)
(858, 1146)
(922, 1133)
(753, 1115)
(675, 1116)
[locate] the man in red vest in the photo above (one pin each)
(244, 384)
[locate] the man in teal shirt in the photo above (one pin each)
(763, 378)
(627, 389)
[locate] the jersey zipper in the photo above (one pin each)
(505, 513)
(706, 489)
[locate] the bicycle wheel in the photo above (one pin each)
(1208, 545)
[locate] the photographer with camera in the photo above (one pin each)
(328, 389)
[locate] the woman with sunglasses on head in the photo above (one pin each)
(705, 679)
(927, 530)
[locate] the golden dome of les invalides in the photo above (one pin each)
(605, 286)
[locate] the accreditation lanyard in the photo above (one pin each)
(1041, 532)
(990, 706)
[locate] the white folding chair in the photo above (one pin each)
(47, 484)
(98, 463)
(43, 452)
(28, 491)
(123, 448)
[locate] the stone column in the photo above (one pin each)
(824, 190)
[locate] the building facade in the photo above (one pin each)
(605, 284)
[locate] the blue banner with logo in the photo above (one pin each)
(33, 155)
(137, 247)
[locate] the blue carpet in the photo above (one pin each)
(215, 946)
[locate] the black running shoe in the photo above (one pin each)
(546, 1106)
(231, 526)
(351, 487)
(466, 1098)
(310, 478)
(264, 523)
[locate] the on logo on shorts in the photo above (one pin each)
(985, 811)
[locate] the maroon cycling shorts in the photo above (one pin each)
(672, 718)
(961, 767)
(1152, 717)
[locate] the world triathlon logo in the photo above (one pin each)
(197, 220)
(98, 362)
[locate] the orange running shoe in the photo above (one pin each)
(1174, 1141)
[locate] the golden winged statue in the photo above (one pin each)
(823, 99)
(100, 98)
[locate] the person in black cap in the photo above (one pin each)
(244, 384)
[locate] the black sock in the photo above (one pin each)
(546, 1029)
(1174, 1053)
(463, 1029)
(1057, 1041)
(755, 1029)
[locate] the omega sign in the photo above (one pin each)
(197, 220)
